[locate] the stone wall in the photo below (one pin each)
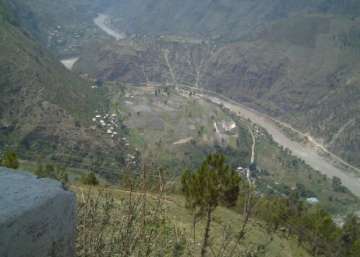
(37, 217)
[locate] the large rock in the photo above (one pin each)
(37, 217)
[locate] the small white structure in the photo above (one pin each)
(228, 126)
(312, 200)
(240, 168)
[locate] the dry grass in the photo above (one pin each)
(114, 222)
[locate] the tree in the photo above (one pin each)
(355, 249)
(337, 185)
(350, 238)
(89, 179)
(10, 160)
(212, 184)
(323, 233)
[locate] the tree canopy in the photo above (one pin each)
(10, 160)
(214, 183)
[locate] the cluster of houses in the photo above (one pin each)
(258, 132)
(131, 159)
(57, 37)
(108, 122)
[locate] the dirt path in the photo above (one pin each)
(171, 70)
(252, 160)
(341, 130)
(183, 141)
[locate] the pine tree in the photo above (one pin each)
(214, 183)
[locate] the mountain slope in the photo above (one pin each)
(62, 25)
(294, 59)
(308, 76)
(45, 111)
(303, 69)
(220, 19)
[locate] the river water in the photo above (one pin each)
(69, 63)
(310, 155)
(102, 22)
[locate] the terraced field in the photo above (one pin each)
(178, 129)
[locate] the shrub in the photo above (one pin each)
(10, 160)
(132, 227)
(89, 179)
(54, 172)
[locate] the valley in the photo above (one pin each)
(178, 126)
(265, 71)
(313, 153)
(178, 79)
(188, 128)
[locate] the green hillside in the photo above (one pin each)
(45, 111)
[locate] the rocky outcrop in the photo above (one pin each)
(37, 217)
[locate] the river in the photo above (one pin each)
(69, 63)
(310, 154)
(102, 22)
